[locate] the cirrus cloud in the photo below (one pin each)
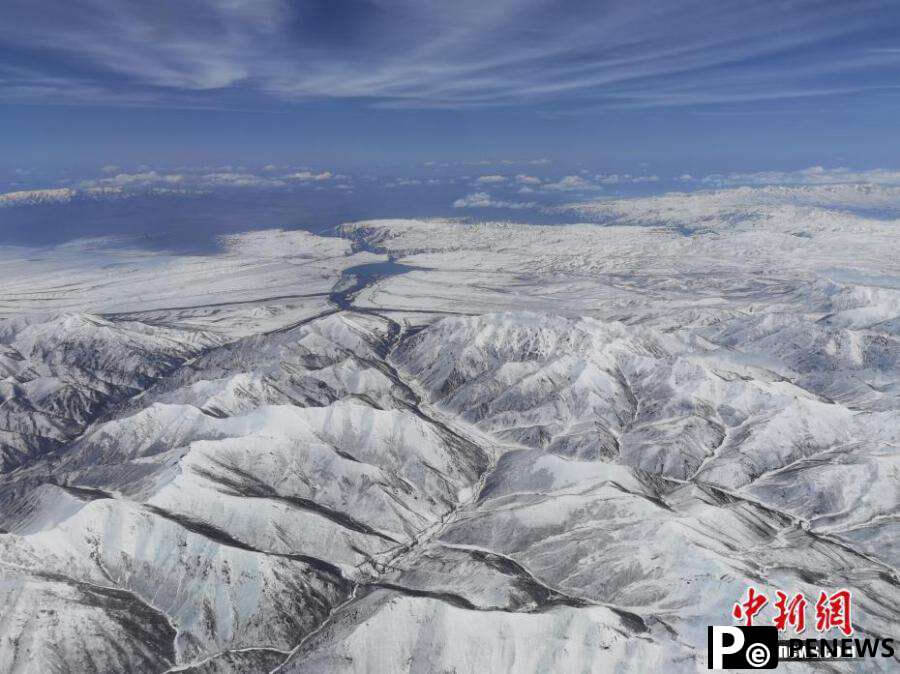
(606, 55)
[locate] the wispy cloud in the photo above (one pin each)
(485, 200)
(229, 179)
(309, 175)
(143, 178)
(540, 161)
(602, 55)
(624, 179)
(571, 184)
(405, 182)
(527, 180)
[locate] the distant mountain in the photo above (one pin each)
(516, 448)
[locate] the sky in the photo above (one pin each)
(204, 115)
(681, 84)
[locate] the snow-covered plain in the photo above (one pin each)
(523, 448)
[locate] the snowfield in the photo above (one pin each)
(523, 448)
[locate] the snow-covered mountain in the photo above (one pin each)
(505, 448)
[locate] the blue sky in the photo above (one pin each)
(668, 86)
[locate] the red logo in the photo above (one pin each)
(832, 611)
(791, 613)
(749, 608)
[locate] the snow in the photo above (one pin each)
(546, 448)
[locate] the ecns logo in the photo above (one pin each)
(742, 647)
